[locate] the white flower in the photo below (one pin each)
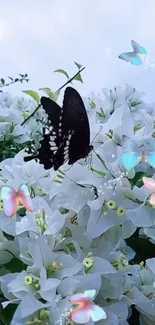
(75, 239)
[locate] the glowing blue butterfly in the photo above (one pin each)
(132, 154)
(133, 57)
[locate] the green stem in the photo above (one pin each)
(137, 200)
(31, 115)
(24, 78)
(66, 83)
(8, 84)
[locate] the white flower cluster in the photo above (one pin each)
(92, 227)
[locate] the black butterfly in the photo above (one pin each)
(69, 139)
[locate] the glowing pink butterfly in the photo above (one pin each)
(11, 199)
(150, 184)
(86, 309)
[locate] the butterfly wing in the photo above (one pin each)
(10, 200)
(137, 48)
(72, 129)
(150, 153)
(50, 142)
(97, 313)
(152, 199)
(46, 153)
(75, 120)
(151, 159)
(77, 299)
(149, 183)
(24, 197)
(70, 136)
(129, 160)
(131, 57)
(81, 315)
(53, 110)
(90, 294)
(131, 154)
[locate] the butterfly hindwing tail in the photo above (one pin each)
(131, 153)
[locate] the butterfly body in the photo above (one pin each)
(133, 57)
(133, 155)
(69, 139)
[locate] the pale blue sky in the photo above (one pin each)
(37, 37)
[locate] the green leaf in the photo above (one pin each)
(7, 314)
(51, 94)
(78, 77)
(7, 236)
(99, 172)
(33, 94)
(137, 180)
(63, 72)
(2, 81)
(3, 271)
(78, 65)
(15, 265)
(143, 248)
(22, 212)
(133, 104)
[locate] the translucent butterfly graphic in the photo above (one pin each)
(133, 154)
(150, 184)
(86, 309)
(133, 57)
(11, 199)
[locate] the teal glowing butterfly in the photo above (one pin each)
(133, 57)
(133, 154)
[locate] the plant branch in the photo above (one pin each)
(13, 81)
(70, 80)
(65, 84)
(8, 84)
(30, 115)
